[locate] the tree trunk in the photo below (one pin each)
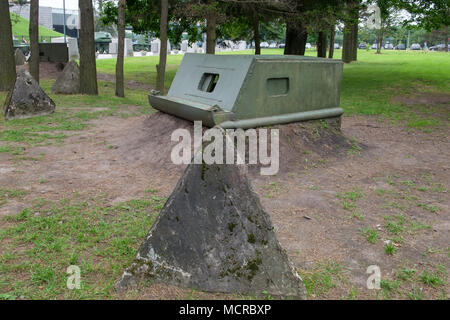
(34, 39)
(120, 90)
(350, 41)
(331, 51)
(163, 52)
(211, 20)
(88, 68)
(347, 44)
(7, 62)
(379, 41)
(322, 45)
(296, 37)
(256, 35)
(355, 41)
(446, 42)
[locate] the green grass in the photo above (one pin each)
(389, 248)
(20, 28)
(99, 238)
(6, 194)
(395, 224)
(406, 274)
(409, 283)
(322, 278)
(353, 195)
(370, 234)
(432, 279)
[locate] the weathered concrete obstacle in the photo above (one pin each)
(214, 235)
(27, 99)
(19, 57)
(68, 81)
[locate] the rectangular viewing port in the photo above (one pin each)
(208, 82)
(277, 86)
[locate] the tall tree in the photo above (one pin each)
(322, 45)
(7, 63)
(389, 16)
(120, 90)
(88, 68)
(296, 37)
(34, 39)
(256, 34)
(332, 36)
(211, 22)
(310, 17)
(163, 52)
(354, 52)
(350, 41)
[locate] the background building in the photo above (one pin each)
(51, 18)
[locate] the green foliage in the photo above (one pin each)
(430, 14)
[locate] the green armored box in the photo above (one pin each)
(248, 91)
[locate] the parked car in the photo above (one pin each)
(273, 45)
(388, 46)
(282, 45)
(439, 47)
(362, 46)
(264, 45)
(416, 46)
(337, 46)
(400, 46)
(308, 46)
(374, 46)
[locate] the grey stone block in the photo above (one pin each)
(27, 99)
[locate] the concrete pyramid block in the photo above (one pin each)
(214, 235)
(27, 99)
(19, 57)
(68, 81)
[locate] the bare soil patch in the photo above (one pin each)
(424, 99)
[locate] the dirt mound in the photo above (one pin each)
(150, 142)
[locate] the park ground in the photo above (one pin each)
(82, 186)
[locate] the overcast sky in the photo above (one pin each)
(70, 4)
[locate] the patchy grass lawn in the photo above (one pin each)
(40, 242)
(72, 114)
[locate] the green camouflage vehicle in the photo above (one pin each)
(141, 44)
(102, 41)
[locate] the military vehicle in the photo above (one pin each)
(102, 41)
(141, 42)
